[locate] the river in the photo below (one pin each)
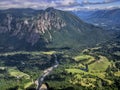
(46, 72)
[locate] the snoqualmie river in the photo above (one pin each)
(46, 72)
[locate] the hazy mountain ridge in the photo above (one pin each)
(105, 18)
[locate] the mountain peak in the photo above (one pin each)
(50, 8)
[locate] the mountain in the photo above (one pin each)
(84, 14)
(28, 29)
(106, 18)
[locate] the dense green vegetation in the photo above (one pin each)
(84, 77)
(95, 68)
(87, 70)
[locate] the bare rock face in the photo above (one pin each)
(33, 27)
(9, 18)
(6, 24)
(49, 20)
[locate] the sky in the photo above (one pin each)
(60, 4)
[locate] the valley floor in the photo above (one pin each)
(87, 70)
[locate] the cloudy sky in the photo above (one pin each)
(60, 4)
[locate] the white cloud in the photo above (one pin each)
(111, 0)
(59, 4)
(67, 2)
(37, 4)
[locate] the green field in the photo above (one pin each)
(84, 58)
(18, 74)
(117, 74)
(75, 71)
(100, 65)
(25, 52)
(96, 70)
(49, 52)
(27, 85)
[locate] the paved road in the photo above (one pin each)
(40, 80)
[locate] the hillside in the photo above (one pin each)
(28, 29)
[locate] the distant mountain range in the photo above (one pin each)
(106, 18)
(28, 29)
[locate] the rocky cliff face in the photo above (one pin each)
(22, 29)
(35, 26)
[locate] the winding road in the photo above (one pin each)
(40, 80)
